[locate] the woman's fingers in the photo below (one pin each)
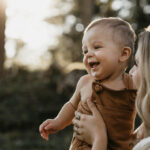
(96, 114)
(78, 115)
(93, 108)
(89, 127)
(78, 136)
(77, 130)
(76, 122)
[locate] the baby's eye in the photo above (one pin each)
(97, 46)
(85, 52)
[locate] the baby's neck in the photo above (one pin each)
(116, 84)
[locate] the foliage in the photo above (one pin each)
(27, 99)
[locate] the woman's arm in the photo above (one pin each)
(91, 128)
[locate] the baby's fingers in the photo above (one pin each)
(44, 136)
(49, 127)
(43, 125)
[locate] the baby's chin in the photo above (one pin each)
(95, 77)
(98, 79)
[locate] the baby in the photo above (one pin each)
(107, 50)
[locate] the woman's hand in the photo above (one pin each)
(91, 128)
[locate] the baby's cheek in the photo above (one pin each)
(87, 67)
(88, 70)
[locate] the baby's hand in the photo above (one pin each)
(45, 134)
(47, 127)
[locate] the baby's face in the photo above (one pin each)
(101, 53)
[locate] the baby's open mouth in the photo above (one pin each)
(94, 64)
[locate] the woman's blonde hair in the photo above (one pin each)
(143, 95)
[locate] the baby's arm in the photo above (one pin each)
(66, 114)
(62, 120)
(64, 117)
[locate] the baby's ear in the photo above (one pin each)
(125, 54)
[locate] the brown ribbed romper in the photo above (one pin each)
(117, 108)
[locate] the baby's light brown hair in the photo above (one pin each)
(122, 32)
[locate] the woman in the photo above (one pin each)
(92, 128)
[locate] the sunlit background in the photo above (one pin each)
(29, 35)
(41, 62)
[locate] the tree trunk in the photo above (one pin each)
(86, 8)
(2, 37)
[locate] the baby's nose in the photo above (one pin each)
(90, 53)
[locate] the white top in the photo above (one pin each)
(143, 144)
